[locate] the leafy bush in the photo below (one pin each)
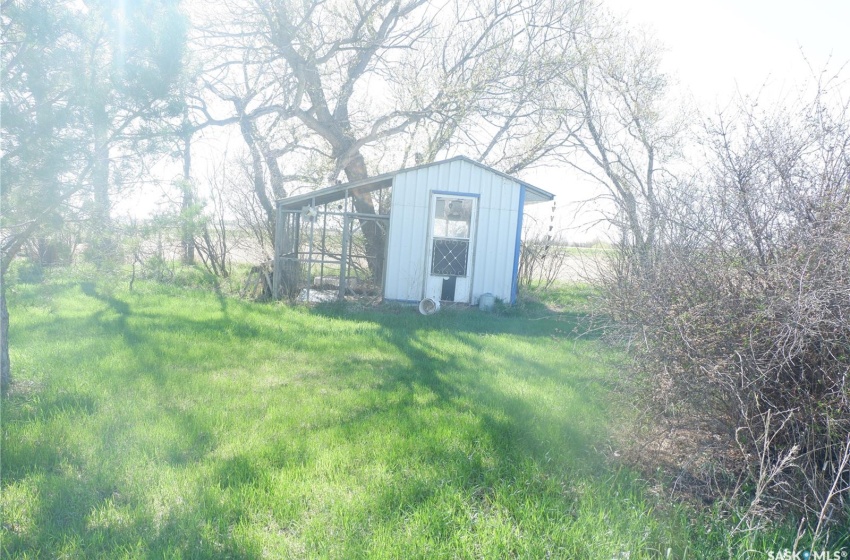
(28, 271)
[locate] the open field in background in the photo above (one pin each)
(159, 253)
(581, 264)
(176, 423)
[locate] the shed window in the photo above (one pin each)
(452, 224)
(452, 218)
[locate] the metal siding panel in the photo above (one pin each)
(454, 175)
(498, 194)
(443, 179)
(488, 260)
(403, 272)
(507, 237)
(468, 181)
(480, 256)
(473, 181)
(499, 200)
(463, 178)
(482, 253)
(495, 252)
(510, 193)
(392, 260)
(412, 185)
(429, 179)
(404, 262)
(404, 257)
(396, 262)
(459, 184)
(409, 188)
(485, 185)
(492, 264)
(394, 288)
(399, 191)
(410, 210)
(492, 185)
(495, 249)
(407, 181)
(477, 186)
(492, 194)
(393, 238)
(486, 188)
(507, 191)
(515, 265)
(503, 273)
(418, 224)
(451, 182)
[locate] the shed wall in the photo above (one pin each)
(494, 246)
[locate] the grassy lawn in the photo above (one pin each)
(169, 423)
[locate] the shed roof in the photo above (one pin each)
(338, 192)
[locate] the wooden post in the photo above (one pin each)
(324, 248)
(346, 225)
(310, 253)
(278, 250)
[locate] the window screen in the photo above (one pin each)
(450, 257)
(452, 225)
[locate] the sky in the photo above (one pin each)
(716, 50)
(718, 47)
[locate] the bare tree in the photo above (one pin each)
(496, 74)
(349, 80)
(741, 320)
(622, 131)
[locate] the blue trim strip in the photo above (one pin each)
(454, 193)
(404, 301)
(515, 280)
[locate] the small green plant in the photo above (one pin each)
(28, 271)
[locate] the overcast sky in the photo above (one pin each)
(718, 49)
(718, 46)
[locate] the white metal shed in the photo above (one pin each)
(451, 231)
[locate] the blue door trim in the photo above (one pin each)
(518, 245)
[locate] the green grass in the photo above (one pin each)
(172, 423)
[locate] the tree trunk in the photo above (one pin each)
(100, 239)
(247, 129)
(275, 175)
(5, 364)
(100, 171)
(355, 170)
(188, 242)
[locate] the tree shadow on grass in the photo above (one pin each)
(532, 319)
(70, 491)
(91, 515)
(509, 419)
(499, 432)
(507, 432)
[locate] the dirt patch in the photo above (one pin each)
(681, 462)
